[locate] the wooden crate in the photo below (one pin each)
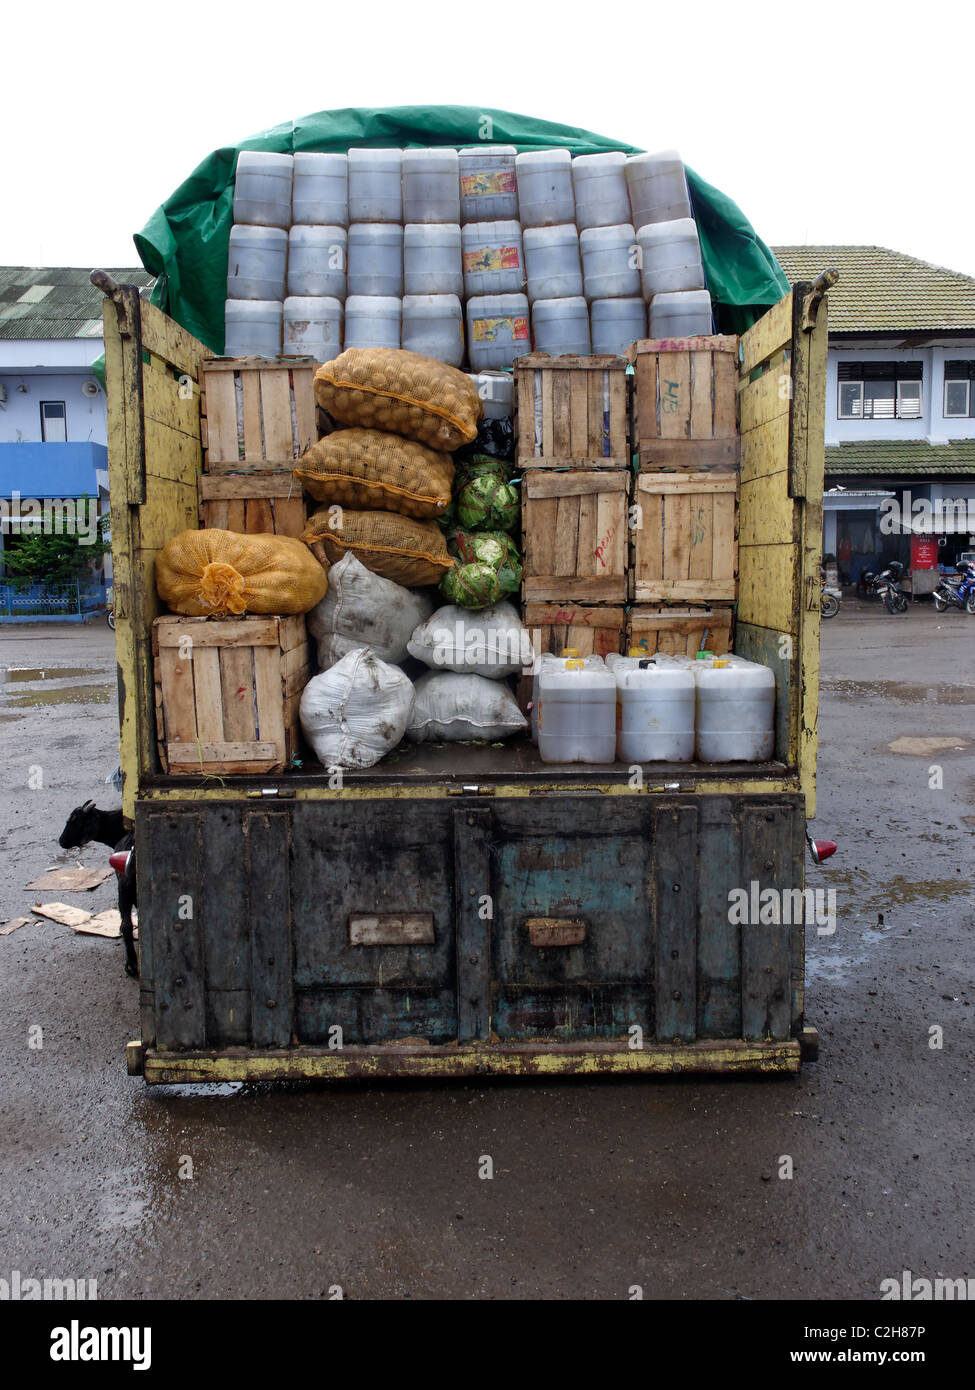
(257, 413)
(686, 403)
(227, 692)
(679, 631)
(574, 527)
(572, 410)
(685, 546)
(252, 503)
(592, 631)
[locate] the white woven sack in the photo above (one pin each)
(362, 609)
(452, 707)
(357, 711)
(491, 642)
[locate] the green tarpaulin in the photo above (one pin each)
(185, 243)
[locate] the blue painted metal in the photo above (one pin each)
(35, 469)
(27, 602)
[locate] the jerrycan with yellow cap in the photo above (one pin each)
(576, 711)
(735, 710)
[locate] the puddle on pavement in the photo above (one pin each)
(62, 695)
(929, 743)
(861, 903)
(43, 673)
(903, 691)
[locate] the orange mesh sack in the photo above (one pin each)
(402, 392)
(409, 552)
(215, 573)
(370, 470)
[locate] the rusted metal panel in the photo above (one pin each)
(591, 1058)
(474, 908)
(676, 886)
(768, 868)
(566, 859)
(391, 929)
(349, 860)
(555, 921)
(170, 912)
(557, 931)
(266, 836)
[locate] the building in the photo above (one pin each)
(900, 409)
(53, 422)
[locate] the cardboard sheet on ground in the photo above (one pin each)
(13, 924)
(74, 880)
(107, 923)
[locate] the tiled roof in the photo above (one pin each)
(885, 291)
(878, 456)
(55, 302)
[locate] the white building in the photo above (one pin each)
(53, 422)
(900, 405)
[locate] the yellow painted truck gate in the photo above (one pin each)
(477, 912)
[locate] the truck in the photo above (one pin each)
(474, 911)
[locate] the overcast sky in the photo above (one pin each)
(827, 123)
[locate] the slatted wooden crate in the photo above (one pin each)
(227, 692)
(685, 546)
(258, 414)
(686, 403)
(572, 410)
(591, 631)
(574, 526)
(678, 631)
(253, 503)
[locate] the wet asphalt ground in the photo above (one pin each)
(672, 1185)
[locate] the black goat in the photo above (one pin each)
(87, 823)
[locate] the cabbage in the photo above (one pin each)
(488, 503)
(471, 586)
(493, 548)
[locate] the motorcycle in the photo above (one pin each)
(886, 586)
(958, 592)
(829, 598)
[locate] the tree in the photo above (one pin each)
(43, 557)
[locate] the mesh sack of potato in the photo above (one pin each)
(408, 551)
(214, 573)
(401, 392)
(373, 471)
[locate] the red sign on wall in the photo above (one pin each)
(924, 553)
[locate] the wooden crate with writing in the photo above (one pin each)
(227, 692)
(685, 546)
(253, 503)
(686, 403)
(590, 630)
(678, 631)
(258, 414)
(572, 410)
(574, 527)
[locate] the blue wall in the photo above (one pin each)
(51, 470)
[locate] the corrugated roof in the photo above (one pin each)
(885, 291)
(908, 456)
(56, 301)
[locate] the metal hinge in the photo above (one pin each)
(471, 790)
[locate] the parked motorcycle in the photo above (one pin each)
(886, 587)
(957, 592)
(829, 597)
